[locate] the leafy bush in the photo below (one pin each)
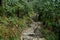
(49, 14)
(17, 7)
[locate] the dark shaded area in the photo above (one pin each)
(0, 2)
(29, 0)
(8, 14)
(32, 35)
(39, 17)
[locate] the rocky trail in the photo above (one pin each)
(32, 33)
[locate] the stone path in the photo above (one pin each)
(32, 33)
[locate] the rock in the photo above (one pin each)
(33, 32)
(38, 33)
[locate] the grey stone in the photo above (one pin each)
(33, 32)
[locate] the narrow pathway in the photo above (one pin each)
(32, 33)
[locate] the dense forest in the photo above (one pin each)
(16, 14)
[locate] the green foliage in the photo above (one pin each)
(19, 12)
(12, 7)
(49, 12)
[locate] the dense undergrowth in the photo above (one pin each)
(14, 14)
(11, 28)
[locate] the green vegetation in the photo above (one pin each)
(14, 14)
